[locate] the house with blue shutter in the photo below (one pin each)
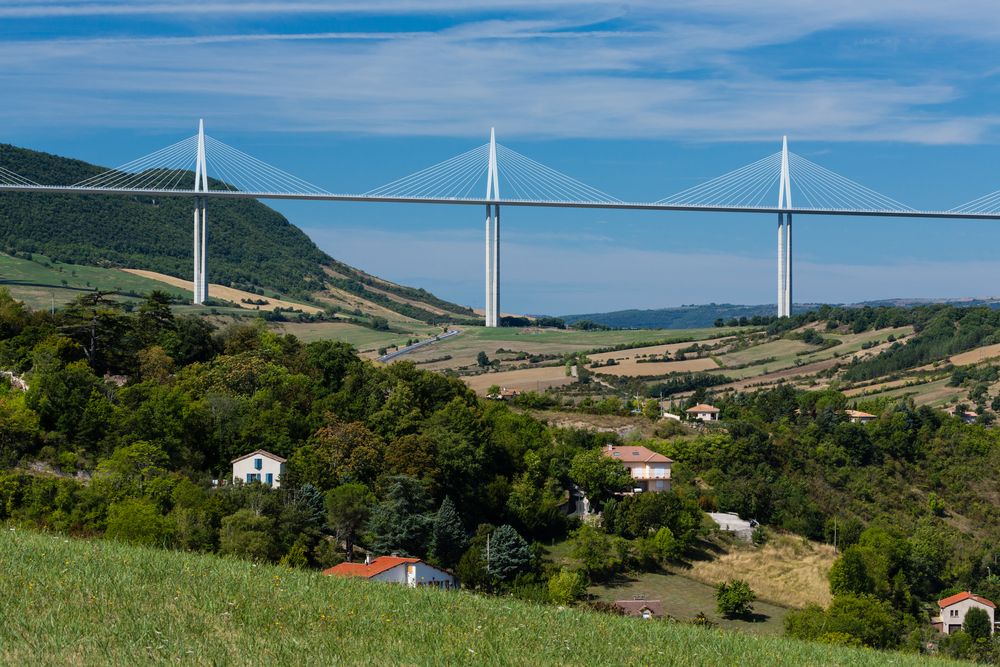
(259, 466)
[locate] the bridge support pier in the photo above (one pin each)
(200, 221)
(784, 236)
(492, 307)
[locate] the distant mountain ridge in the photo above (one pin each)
(251, 246)
(704, 315)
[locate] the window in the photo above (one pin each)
(615, 454)
(258, 463)
(269, 477)
(253, 477)
(249, 477)
(954, 613)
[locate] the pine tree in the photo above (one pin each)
(448, 539)
(509, 554)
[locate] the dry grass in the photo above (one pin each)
(788, 570)
(976, 355)
(223, 292)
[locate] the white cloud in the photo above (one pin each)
(541, 77)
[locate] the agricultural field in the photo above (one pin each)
(41, 282)
(226, 293)
(464, 349)
(538, 379)
(69, 601)
(365, 339)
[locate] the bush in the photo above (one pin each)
(137, 521)
(734, 598)
(567, 586)
(977, 624)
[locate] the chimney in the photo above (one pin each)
(610, 447)
(368, 559)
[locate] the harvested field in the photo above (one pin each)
(631, 368)
(526, 379)
(977, 355)
(227, 293)
(788, 570)
(656, 350)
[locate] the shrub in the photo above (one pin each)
(567, 586)
(734, 598)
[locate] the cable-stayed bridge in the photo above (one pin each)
(494, 176)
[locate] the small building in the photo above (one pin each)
(732, 523)
(259, 466)
(504, 394)
(650, 471)
(955, 607)
(641, 608)
(858, 417)
(704, 412)
(410, 572)
(965, 415)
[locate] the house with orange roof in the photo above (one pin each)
(858, 417)
(410, 572)
(650, 471)
(955, 607)
(704, 412)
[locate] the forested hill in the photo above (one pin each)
(251, 246)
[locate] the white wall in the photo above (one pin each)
(963, 608)
(417, 574)
(268, 466)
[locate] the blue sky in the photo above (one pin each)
(639, 99)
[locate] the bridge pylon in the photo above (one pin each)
(784, 235)
(200, 221)
(492, 307)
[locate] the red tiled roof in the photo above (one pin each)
(857, 413)
(964, 595)
(367, 571)
(262, 452)
(703, 407)
(635, 455)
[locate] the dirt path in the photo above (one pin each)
(227, 293)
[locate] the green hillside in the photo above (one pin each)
(251, 246)
(100, 602)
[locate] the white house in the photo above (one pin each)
(858, 417)
(650, 471)
(259, 466)
(732, 523)
(704, 412)
(411, 572)
(954, 609)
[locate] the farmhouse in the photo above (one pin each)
(954, 609)
(259, 466)
(704, 412)
(410, 572)
(965, 415)
(650, 471)
(858, 417)
(641, 608)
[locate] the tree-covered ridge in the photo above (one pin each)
(251, 246)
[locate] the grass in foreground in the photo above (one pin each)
(97, 602)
